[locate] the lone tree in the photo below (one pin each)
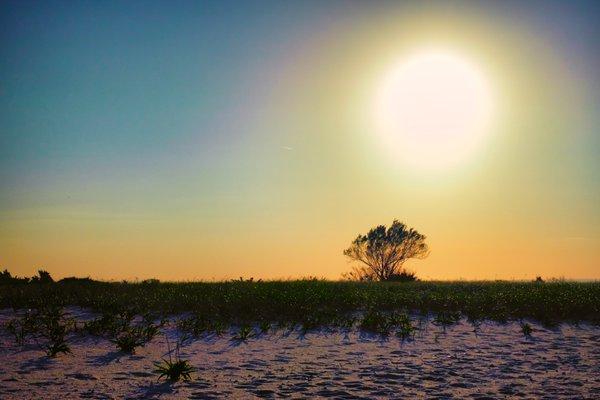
(383, 251)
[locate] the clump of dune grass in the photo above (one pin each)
(406, 330)
(57, 344)
(174, 371)
(23, 327)
(55, 325)
(264, 327)
(217, 327)
(136, 336)
(244, 333)
(111, 323)
(174, 368)
(48, 323)
(526, 329)
(149, 327)
(129, 340)
(103, 325)
(383, 323)
(286, 325)
(194, 325)
(375, 322)
(446, 318)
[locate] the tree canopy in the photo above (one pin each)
(383, 251)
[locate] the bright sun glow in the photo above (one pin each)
(433, 109)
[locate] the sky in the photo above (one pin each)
(211, 140)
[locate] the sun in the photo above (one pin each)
(433, 109)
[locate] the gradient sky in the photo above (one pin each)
(209, 140)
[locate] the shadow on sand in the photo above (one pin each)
(36, 364)
(113, 356)
(154, 390)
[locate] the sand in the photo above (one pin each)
(498, 362)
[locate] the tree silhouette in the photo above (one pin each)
(383, 251)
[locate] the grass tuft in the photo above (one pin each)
(244, 333)
(174, 371)
(175, 368)
(265, 327)
(375, 321)
(526, 329)
(406, 330)
(446, 318)
(129, 340)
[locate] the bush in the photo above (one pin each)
(7, 279)
(74, 279)
(403, 276)
(43, 277)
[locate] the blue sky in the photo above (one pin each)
(140, 107)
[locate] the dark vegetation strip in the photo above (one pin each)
(317, 302)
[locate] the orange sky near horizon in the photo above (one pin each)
(255, 154)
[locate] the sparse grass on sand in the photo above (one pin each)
(313, 303)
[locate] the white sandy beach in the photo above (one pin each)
(496, 363)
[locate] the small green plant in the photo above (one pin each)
(244, 333)
(406, 331)
(174, 371)
(526, 329)
(129, 340)
(125, 335)
(103, 325)
(109, 324)
(194, 325)
(446, 318)
(265, 327)
(399, 318)
(23, 327)
(218, 327)
(375, 322)
(286, 325)
(197, 325)
(54, 326)
(149, 329)
(15, 327)
(383, 323)
(57, 345)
